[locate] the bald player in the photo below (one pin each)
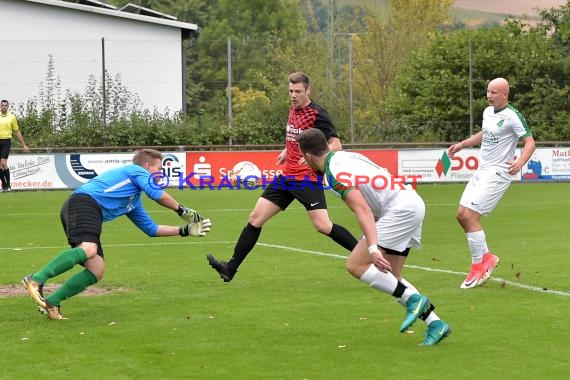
(502, 128)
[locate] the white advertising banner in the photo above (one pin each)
(548, 164)
(435, 165)
(33, 172)
(68, 171)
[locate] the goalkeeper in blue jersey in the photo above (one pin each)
(112, 194)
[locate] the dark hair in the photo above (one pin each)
(4, 101)
(144, 156)
(313, 141)
(299, 77)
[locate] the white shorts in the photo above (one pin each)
(484, 190)
(401, 226)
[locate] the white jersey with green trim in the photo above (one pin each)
(502, 130)
(345, 171)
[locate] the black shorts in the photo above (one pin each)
(389, 251)
(5, 145)
(283, 191)
(82, 221)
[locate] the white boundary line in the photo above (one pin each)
(495, 279)
(292, 249)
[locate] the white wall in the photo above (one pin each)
(147, 56)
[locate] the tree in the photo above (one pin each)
(556, 21)
(249, 24)
(383, 49)
(430, 99)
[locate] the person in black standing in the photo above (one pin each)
(297, 182)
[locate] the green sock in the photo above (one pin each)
(60, 264)
(74, 285)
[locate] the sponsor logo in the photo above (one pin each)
(171, 166)
(79, 169)
(450, 164)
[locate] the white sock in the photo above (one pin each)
(477, 245)
(385, 282)
(432, 317)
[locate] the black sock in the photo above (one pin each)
(342, 237)
(244, 245)
(399, 291)
(7, 177)
(2, 178)
(426, 313)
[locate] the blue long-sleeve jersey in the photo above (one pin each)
(118, 192)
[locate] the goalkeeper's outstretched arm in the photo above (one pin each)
(166, 200)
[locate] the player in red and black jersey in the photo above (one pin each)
(298, 181)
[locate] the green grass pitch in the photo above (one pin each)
(292, 311)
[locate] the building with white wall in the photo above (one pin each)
(143, 48)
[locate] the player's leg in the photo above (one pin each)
(339, 234)
(271, 202)
(314, 200)
(470, 221)
(437, 329)
(93, 272)
(84, 238)
(480, 197)
(4, 153)
(263, 211)
(360, 266)
(397, 229)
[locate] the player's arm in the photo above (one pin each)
(21, 141)
(325, 124)
(199, 229)
(367, 222)
(528, 149)
(282, 157)
(469, 142)
(145, 181)
(187, 214)
(144, 222)
(166, 200)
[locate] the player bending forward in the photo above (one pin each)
(112, 194)
(391, 220)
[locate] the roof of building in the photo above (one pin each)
(130, 7)
(129, 11)
(95, 3)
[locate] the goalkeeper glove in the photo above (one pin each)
(189, 215)
(200, 228)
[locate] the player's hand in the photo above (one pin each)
(454, 149)
(282, 157)
(199, 229)
(380, 262)
(514, 167)
(189, 215)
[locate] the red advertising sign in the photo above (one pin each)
(388, 159)
(210, 168)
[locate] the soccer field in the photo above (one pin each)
(292, 311)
